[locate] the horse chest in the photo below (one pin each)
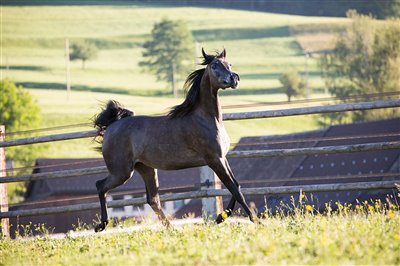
(224, 140)
(213, 138)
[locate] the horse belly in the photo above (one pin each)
(170, 157)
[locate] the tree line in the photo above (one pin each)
(336, 8)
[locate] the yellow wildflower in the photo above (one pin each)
(390, 214)
(309, 208)
(302, 195)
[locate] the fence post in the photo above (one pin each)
(5, 229)
(213, 205)
(67, 69)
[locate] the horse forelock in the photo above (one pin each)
(207, 60)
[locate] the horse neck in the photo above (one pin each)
(209, 100)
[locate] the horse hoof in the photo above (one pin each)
(255, 219)
(100, 227)
(222, 217)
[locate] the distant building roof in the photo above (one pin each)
(86, 184)
(257, 172)
(277, 171)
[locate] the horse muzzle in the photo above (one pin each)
(234, 80)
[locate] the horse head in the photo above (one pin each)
(220, 71)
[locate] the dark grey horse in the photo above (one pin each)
(191, 135)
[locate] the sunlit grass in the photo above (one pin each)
(368, 234)
(33, 44)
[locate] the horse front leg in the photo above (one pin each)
(150, 179)
(231, 205)
(227, 212)
(221, 167)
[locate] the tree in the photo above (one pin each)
(18, 111)
(83, 51)
(167, 51)
(392, 8)
(293, 84)
(365, 60)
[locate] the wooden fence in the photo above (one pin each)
(212, 193)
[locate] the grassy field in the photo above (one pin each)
(259, 45)
(363, 237)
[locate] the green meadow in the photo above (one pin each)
(368, 236)
(259, 45)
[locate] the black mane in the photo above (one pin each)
(192, 86)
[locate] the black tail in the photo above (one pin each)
(113, 112)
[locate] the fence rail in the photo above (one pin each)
(227, 116)
(206, 194)
(232, 154)
(314, 110)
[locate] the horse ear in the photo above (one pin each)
(222, 54)
(207, 58)
(204, 53)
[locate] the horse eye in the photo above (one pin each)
(214, 66)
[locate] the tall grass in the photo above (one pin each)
(368, 234)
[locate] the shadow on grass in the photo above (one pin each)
(62, 86)
(138, 92)
(230, 34)
(27, 68)
(275, 75)
(231, 92)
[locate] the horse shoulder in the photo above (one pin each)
(209, 135)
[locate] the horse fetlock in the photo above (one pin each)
(167, 224)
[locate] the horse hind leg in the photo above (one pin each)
(150, 179)
(103, 187)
